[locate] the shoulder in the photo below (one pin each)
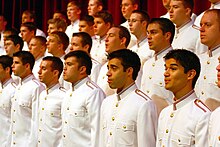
(201, 106)
(141, 95)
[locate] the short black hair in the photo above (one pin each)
(83, 59)
(26, 58)
(6, 61)
(86, 39)
(187, 59)
(128, 59)
(57, 63)
(16, 40)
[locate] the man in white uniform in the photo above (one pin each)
(73, 14)
(127, 6)
(186, 37)
(94, 6)
(129, 117)
(103, 21)
(118, 37)
(25, 101)
(83, 41)
(7, 90)
(138, 22)
(81, 106)
(206, 87)
(185, 122)
(49, 119)
(214, 128)
(13, 44)
(37, 48)
(160, 36)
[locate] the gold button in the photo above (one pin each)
(204, 77)
(71, 94)
(178, 140)
(171, 115)
(167, 130)
(13, 132)
(64, 136)
(110, 133)
(14, 110)
(160, 83)
(219, 138)
(202, 92)
(208, 62)
(51, 114)
(13, 121)
(103, 77)
(116, 105)
(13, 142)
(153, 64)
(75, 113)
(68, 108)
(150, 77)
(45, 98)
(41, 119)
(38, 141)
(42, 108)
(65, 122)
(124, 127)
(148, 91)
(39, 130)
(15, 99)
(113, 118)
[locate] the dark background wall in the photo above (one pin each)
(44, 9)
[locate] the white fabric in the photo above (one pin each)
(133, 39)
(72, 28)
(214, 128)
(167, 15)
(24, 112)
(80, 115)
(186, 37)
(36, 67)
(40, 33)
(185, 126)
(152, 81)
(206, 86)
(96, 66)
(128, 122)
(7, 91)
(49, 119)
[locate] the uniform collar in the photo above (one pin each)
(184, 26)
(79, 83)
(141, 42)
(52, 88)
(126, 91)
(184, 100)
(163, 52)
(75, 23)
(212, 52)
(28, 78)
(3, 85)
(215, 6)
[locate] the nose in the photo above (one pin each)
(218, 67)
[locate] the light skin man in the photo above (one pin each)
(94, 6)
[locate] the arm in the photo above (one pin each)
(147, 125)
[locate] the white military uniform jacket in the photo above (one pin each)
(7, 90)
(98, 50)
(103, 80)
(49, 119)
(24, 112)
(96, 66)
(206, 86)
(214, 129)
(80, 115)
(185, 123)
(143, 50)
(167, 15)
(186, 37)
(152, 81)
(128, 119)
(72, 28)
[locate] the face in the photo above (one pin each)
(218, 72)
(127, 7)
(35, 48)
(112, 41)
(2, 73)
(76, 44)
(84, 27)
(210, 30)
(166, 3)
(26, 18)
(156, 39)
(52, 44)
(6, 34)
(71, 70)
(18, 68)
(174, 76)
(73, 13)
(178, 12)
(115, 74)
(214, 1)
(46, 73)
(100, 27)
(26, 34)
(136, 24)
(51, 28)
(93, 7)
(10, 48)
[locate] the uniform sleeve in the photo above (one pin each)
(101, 135)
(147, 125)
(201, 131)
(93, 106)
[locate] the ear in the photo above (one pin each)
(86, 48)
(191, 74)
(17, 46)
(108, 25)
(27, 66)
(135, 6)
(56, 72)
(188, 11)
(7, 69)
(130, 71)
(167, 35)
(82, 70)
(123, 40)
(100, 8)
(78, 12)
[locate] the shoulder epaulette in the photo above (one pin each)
(62, 89)
(201, 105)
(36, 81)
(14, 84)
(142, 94)
(95, 61)
(91, 85)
